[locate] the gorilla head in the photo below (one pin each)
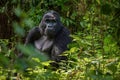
(50, 24)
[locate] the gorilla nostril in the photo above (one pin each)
(49, 26)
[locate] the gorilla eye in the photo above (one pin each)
(53, 21)
(50, 21)
(47, 20)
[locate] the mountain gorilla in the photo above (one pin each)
(50, 37)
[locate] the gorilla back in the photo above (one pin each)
(50, 36)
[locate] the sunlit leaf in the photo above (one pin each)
(74, 49)
(98, 1)
(46, 63)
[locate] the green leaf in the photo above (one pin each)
(18, 29)
(112, 66)
(98, 1)
(106, 9)
(31, 52)
(73, 49)
(18, 12)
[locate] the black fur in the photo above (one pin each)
(53, 45)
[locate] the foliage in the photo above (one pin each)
(92, 55)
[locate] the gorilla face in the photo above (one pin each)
(51, 24)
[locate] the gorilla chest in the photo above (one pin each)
(44, 44)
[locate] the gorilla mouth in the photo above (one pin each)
(50, 33)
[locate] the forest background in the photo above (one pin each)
(94, 53)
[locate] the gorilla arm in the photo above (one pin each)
(60, 45)
(33, 35)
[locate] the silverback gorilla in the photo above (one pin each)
(50, 37)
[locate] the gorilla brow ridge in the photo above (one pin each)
(56, 14)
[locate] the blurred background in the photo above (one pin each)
(94, 53)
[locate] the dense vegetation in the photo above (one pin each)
(94, 53)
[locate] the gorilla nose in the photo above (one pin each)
(49, 26)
